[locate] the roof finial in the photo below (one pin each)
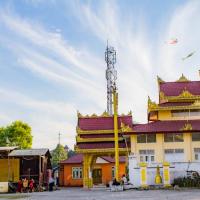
(159, 80)
(182, 79)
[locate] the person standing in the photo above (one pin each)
(51, 184)
(31, 185)
(19, 185)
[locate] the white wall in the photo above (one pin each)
(178, 169)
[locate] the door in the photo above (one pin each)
(97, 176)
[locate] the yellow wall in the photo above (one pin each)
(9, 170)
(188, 145)
(164, 115)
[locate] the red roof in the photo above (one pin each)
(78, 159)
(102, 123)
(122, 159)
(166, 126)
(176, 88)
(75, 159)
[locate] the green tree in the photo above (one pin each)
(58, 154)
(16, 134)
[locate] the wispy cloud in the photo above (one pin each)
(47, 118)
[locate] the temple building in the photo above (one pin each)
(172, 133)
(95, 138)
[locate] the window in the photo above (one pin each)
(146, 138)
(175, 137)
(113, 172)
(76, 172)
(141, 138)
(180, 113)
(171, 151)
(185, 113)
(197, 154)
(174, 155)
(146, 155)
(195, 136)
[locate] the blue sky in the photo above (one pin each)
(52, 58)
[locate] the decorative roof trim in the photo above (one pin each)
(99, 151)
(80, 131)
(151, 104)
(81, 140)
(195, 105)
(185, 95)
(125, 128)
(159, 80)
(187, 127)
(162, 97)
(183, 79)
(104, 114)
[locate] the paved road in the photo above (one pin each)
(81, 194)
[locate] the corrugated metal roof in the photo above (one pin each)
(29, 152)
(8, 148)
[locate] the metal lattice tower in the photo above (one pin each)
(111, 76)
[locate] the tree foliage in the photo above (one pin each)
(58, 154)
(18, 134)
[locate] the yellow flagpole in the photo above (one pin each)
(115, 103)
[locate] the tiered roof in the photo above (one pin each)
(96, 133)
(178, 95)
(182, 94)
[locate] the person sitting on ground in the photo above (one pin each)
(115, 182)
(25, 185)
(124, 180)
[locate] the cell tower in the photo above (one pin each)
(111, 76)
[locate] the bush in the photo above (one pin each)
(187, 182)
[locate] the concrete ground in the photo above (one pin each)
(82, 194)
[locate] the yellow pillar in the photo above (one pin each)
(87, 177)
(143, 174)
(159, 155)
(188, 147)
(166, 174)
(115, 99)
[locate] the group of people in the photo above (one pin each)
(25, 185)
(123, 181)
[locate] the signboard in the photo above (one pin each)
(3, 187)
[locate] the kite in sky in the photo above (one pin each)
(189, 55)
(173, 41)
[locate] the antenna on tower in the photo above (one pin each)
(111, 76)
(59, 134)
